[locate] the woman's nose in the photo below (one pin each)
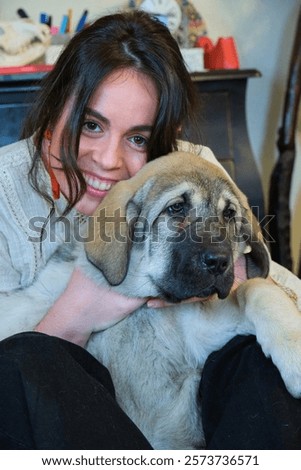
(109, 155)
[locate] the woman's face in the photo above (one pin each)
(113, 143)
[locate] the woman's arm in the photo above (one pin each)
(72, 312)
(84, 308)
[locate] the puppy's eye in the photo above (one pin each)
(229, 212)
(177, 209)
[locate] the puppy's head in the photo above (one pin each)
(177, 227)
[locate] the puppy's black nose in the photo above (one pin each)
(215, 262)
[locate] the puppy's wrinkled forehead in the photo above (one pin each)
(185, 177)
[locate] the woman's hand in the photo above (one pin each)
(84, 308)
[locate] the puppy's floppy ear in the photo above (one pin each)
(257, 257)
(109, 240)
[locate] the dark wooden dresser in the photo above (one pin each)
(223, 126)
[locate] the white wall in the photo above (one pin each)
(263, 30)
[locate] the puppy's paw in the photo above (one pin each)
(277, 325)
(287, 358)
(282, 342)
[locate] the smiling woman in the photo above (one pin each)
(113, 144)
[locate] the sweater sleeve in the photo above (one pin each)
(10, 278)
(290, 283)
(22, 255)
(19, 257)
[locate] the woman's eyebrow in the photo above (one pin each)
(100, 117)
(97, 115)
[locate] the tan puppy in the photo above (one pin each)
(174, 231)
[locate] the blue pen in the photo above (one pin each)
(82, 21)
(64, 24)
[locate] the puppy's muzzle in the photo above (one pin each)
(198, 270)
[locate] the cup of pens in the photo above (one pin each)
(60, 35)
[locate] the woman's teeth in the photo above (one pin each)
(96, 184)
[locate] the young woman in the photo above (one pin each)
(118, 96)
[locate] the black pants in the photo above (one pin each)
(55, 395)
(245, 402)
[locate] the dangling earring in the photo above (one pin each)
(54, 182)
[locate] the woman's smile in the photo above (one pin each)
(97, 187)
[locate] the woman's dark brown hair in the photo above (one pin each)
(123, 40)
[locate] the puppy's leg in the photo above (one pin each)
(277, 323)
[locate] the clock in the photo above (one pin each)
(180, 16)
(167, 11)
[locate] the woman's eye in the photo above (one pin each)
(176, 209)
(138, 140)
(92, 126)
